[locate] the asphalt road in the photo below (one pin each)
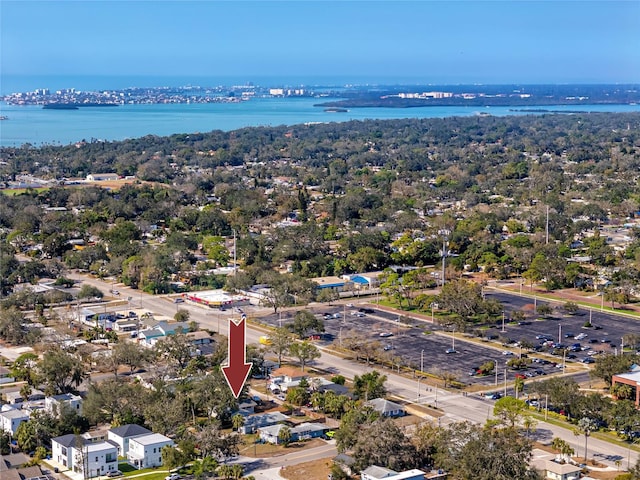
(456, 406)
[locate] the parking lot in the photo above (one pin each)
(413, 343)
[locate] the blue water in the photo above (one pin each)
(34, 125)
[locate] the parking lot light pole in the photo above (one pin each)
(422, 361)
(505, 382)
(503, 330)
(495, 367)
(559, 333)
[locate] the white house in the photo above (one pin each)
(375, 472)
(387, 408)
(81, 456)
(146, 451)
(121, 436)
(102, 177)
(54, 405)
(11, 419)
(561, 471)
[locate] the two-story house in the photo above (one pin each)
(11, 418)
(55, 404)
(92, 459)
(145, 451)
(123, 434)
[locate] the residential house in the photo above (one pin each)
(5, 375)
(375, 472)
(55, 405)
(247, 407)
(25, 473)
(254, 422)
(11, 418)
(561, 471)
(345, 462)
(387, 408)
(203, 343)
(102, 177)
(150, 337)
(15, 397)
(287, 375)
(145, 451)
(121, 436)
(304, 431)
(81, 456)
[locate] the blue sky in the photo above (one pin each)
(426, 41)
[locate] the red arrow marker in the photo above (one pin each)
(237, 371)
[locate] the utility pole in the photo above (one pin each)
(547, 227)
(235, 257)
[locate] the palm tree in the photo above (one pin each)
(284, 435)
(586, 426)
(238, 421)
(224, 471)
(563, 447)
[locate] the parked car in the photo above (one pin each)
(450, 350)
(386, 334)
(114, 473)
(173, 476)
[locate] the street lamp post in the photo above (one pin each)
(503, 330)
(505, 382)
(495, 368)
(422, 361)
(559, 333)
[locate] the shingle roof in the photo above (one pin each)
(130, 430)
(69, 440)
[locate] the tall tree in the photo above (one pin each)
(382, 443)
(370, 385)
(61, 371)
(304, 352)
(281, 340)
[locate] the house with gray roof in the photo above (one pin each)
(304, 431)
(254, 422)
(92, 459)
(387, 408)
(11, 418)
(120, 436)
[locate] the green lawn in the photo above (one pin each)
(147, 473)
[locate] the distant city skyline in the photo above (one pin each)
(412, 41)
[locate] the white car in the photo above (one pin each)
(507, 353)
(173, 476)
(386, 334)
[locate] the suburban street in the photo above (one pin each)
(456, 406)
